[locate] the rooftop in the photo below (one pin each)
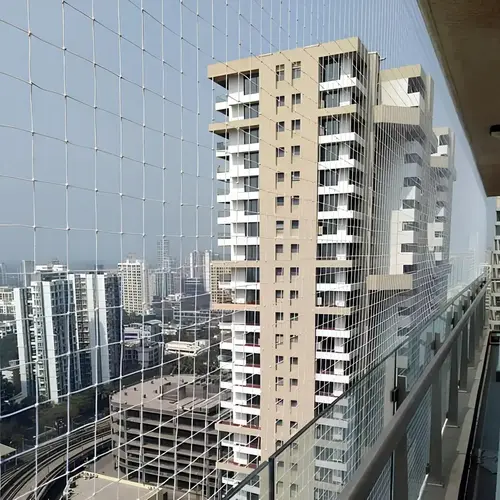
(101, 487)
(170, 393)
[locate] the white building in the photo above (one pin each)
(7, 301)
(27, 270)
(199, 266)
(98, 326)
(189, 349)
(46, 339)
(134, 285)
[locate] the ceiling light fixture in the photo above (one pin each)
(495, 131)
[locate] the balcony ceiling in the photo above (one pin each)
(466, 37)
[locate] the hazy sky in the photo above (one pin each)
(84, 189)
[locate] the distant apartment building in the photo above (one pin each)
(163, 430)
(7, 301)
(27, 270)
(98, 325)
(134, 285)
(46, 340)
(199, 266)
(494, 310)
(68, 331)
(140, 354)
(189, 349)
(336, 213)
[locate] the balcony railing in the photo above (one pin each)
(392, 416)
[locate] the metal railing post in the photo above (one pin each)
(453, 388)
(400, 456)
(271, 478)
(436, 447)
(462, 383)
(472, 338)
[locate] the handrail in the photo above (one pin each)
(375, 460)
(473, 286)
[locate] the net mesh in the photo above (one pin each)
(218, 216)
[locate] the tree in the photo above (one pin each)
(8, 350)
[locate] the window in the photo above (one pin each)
(251, 83)
(278, 339)
(294, 339)
(296, 99)
(294, 361)
(280, 226)
(413, 158)
(439, 234)
(329, 152)
(280, 72)
(294, 425)
(278, 294)
(409, 247)
(278, 316)
(251, 136)
(294, 294)
(412, 182)
(294, 271)
(251, 111)
(444, 140)
(280, 381)
(280, 152)
(416, 84)
(330, 99)
(329, 125)
(280, 176)
(296, 175)
(410, 204)
(280, 201)
(295, 125)
(280, 101)
(279, 444)
(252, 252)
(295, 150)
(294, 316)
(294, 403)
(330, 177)
(410, 226)
(294, 248)
(252, 229)
(296, 200)
(279, 248)
(251, 207)
(251, 160)
(296, 70)
(294, 382)
(279, 422)
(279, 401)
(280, 126)
(251, 184)
(295, 224)
(330, 68)
(279, 271)
(279, 360)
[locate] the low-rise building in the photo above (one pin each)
(140, 354)
(182, 348)
(165, 428)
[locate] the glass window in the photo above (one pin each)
(295, 224)
(280, 152)
(279, 248)
(330, 99)
(329, 125)
(279, 294)
(251, 184)
(294, 248)
(416, 84)
(295, 125)
(296, 98)
(280, 201)
(251, 83)
(279, 316)
(251, 207)
(252, 229)
(296, 70)
(280, 101)
(296, 175)
(412, 182)
(251, 111)
(294, 294)
(280, 72)
(251, 160)
(279, 271)
(329, 152)
(251, 136)
(294, 271)
(280, 126)
(330, 68)
(444, 140)
(280, 176)
(295, 150)
(295, 200)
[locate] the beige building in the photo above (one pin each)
(329, 193)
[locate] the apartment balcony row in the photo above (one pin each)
(248, 449)
(343, 187)
(241, 347)
(341, 81)
(227, 195)
(240, 367)
(247, 408)
(236, 216)
(225, 148)
(235, 428)
(226, 172)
